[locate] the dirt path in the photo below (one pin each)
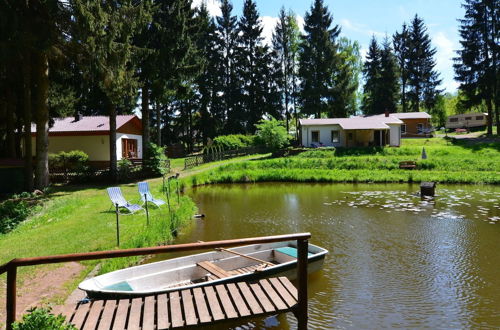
(50, 285)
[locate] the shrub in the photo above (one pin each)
(273, 133)
(125, 168)
(42, 319)
(12, 213)
(234, 141)
(74, 160)
(156, 162)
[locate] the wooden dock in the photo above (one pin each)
(189, 307)
(183, 307)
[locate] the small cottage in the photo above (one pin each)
(415, 124)
(90, 134)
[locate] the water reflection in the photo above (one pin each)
(396, 260)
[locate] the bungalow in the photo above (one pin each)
(415, 124)
(351, 132)
(91, 135)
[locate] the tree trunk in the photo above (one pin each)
(158, 123)
(145, 121)
(113, 158)
(11, 139)
(28, 153)
(42, 120)
(490, 116)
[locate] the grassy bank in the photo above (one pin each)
(447, 162)
(79, 219)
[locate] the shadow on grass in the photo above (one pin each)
(477, 144)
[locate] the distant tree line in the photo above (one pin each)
(194, 77)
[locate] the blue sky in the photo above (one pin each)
(360, 19)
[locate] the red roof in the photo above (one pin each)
(87, 124)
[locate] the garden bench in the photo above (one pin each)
(408, 165)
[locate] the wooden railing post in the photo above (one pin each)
(302, 253)
(11, 295)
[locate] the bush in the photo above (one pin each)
(125, 168)
(156, 162)
(74, 160)
(235, 141)
(273, 133)
(42, 319)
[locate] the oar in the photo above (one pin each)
(245, 256)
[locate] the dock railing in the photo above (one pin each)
(302, 253)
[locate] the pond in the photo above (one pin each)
(395, 260)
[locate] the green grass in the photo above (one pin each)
(448, 162)
(79, 219)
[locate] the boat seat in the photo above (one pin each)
(214, 269)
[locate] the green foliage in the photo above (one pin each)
(12, 213)
(234, 141)
(272, 133)
(125, 169)
(72, 160)
(156, 164)
(42, 319)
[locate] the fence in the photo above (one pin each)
(302, 247)
(216, 154)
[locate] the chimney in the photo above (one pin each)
(387, 113)
(78, 116)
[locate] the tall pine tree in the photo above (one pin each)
(318, 61)
(401, 41)
(372, 104)
(478, 62)
(389, 78)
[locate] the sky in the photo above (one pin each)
(360, 19)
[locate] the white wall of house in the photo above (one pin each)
(120, 136)
(395, 135)
(96, 146)
(325, 135)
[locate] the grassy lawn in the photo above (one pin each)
(450, 161)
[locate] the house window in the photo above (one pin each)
(403, 129)
(335, 137)
(129, 148)
(453, 120)
(420, 128)
(479, 117)
(468, 118)
(315, 136)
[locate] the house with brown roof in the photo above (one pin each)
(90, 134)
(351, 132)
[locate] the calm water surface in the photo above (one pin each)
(395, 260)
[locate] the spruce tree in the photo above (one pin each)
(423, 80)
(372, 103)
(318, 60)
(389, 83)
(401, 41)
(227, 32)
(477, 64)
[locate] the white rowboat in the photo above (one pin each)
(220, 266)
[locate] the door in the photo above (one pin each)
(129, 148)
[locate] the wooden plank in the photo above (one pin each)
(176, 309)
(214, 269)
(148, 318)
(201, 306)
(93, 317)
(80, 315)
(272, 294)
(226, 302)
(121, 314)
(162, 312)
(134, 316)
(263, 299)
(289, 300)
(249, 298)
(189, 311)
(107, 315)
(238, 300)
(289, 286)
(213, 302)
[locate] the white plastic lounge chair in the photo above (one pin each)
(146, 195)
(115, 194)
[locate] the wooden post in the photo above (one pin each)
(302, 247)
(177, 183)
(147, 211)
(117, 227)
(11, 295)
